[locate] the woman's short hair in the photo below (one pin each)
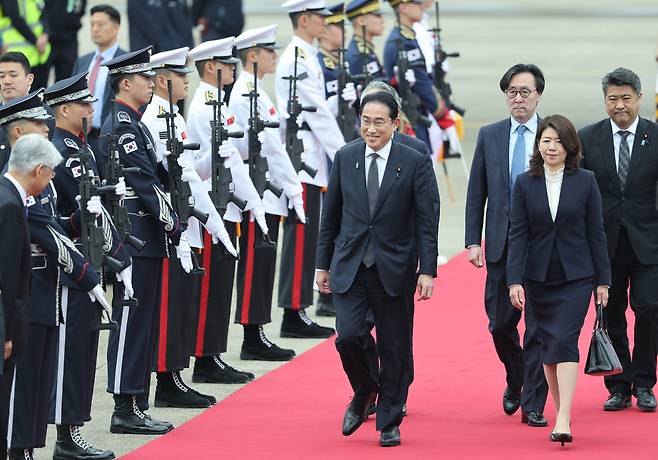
(569, 139)
(32, 150)
(385, 98)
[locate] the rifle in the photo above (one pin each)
(410, 100)
(258, 170)
(440, 83)
(222, 190)
(92, 236)
(179, 190)
(346, 114)
(114, 172)
(294, 145)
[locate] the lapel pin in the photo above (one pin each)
(645, 140)
(357, 165)
(397, 171)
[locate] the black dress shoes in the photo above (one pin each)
(390, 436)
(646, 401)
(534, 418)
(617, 402)
(21, 454)
(325, 306)
(356, 413)
(297, 325)
(71, 445)
(511, 401)
(127, 418)
(212, 369)
(171, 391)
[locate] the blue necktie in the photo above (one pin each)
(518, 157)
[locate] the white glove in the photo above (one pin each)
(125, 276)
(410, 76)
(215, 227)
(297, 203)
(349, 94)
(98, 295)
(188, 169)
(225, 150)
(261, 137)
(94, 205)
(184, 254)
(258, 213)
(120, 188)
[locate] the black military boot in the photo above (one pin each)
(325, 305)
(172, 392)
(297, 325)
(256, 347)
(21, 454)
(128, 419)
(71, 445)
(212, 369)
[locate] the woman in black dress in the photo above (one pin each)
(557, 255)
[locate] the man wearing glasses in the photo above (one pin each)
(502, 152)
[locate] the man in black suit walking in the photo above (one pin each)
(502, 152)
(622, 150)
(379, 190)
(31, 167)
(105, 22)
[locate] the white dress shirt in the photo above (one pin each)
(528, 137)
(101, 80)
(553, 188)
(382, 159)
(19, 187)
(616, 137)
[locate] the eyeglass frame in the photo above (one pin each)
(518, 92)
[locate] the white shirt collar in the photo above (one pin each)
(108, 53)
(304, 45)
(18, 186)
(530, 124)
(384, 152)
(631, 129)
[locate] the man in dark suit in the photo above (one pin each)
(31, 167)
(367, 245)
(622, 150)
(502, 152)
(105, 23)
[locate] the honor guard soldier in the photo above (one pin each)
(181, 303)
(368, 23)
(270, 167)
(56, 265)
(300, 84)
(153, 220)
(217, 286)
(77, 343)
(329, 42)
(402, 50)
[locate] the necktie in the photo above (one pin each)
(94, 73)
(624, 158)
(372, 187)
(518, 156)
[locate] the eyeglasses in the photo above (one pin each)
(512, 93)
(379, 123)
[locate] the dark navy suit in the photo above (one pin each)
(489, 187)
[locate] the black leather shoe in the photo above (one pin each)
(172, 392)
(561, 438)
(404, 409)
(325, 306)
(211, 369)
(299, 326)
(534, 418)
(511, 401)
(127, 418)
(356, 413)
(21, 454)
(646, 401)
(265, 352)
(617, 402)
(71, 445)
(390, 436)
(372, 409)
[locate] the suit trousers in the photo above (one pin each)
(214, 314)
(256, 270)
(6, 383)
(523, 366)
(298, 253)
(393, 326)
(28, 413)
(640, 369)
(77, 351)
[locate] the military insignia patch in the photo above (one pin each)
(210, 96)
(71, 143)
(414, 54)
(301, 53)
(332, 86)
(123, 117)
(372, 67)
(329, 63)
(231, 120)
(126, 136)
(30, 201)
(272, 111)
(407, 33)
(74, 165)
(161, 110)
(130, 147)
(250, 87)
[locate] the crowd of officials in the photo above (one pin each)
(107, 185)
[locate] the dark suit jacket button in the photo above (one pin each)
(623, 198)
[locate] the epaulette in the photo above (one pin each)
(210, 96)
(71, 143)
(329, 62)
(250, 87)
(301, 53)
(161, 110)
(123, 117)
(407, 33)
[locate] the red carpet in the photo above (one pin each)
(455, 411)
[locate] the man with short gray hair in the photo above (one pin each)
(622, 150)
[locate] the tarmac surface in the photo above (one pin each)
(574, 42)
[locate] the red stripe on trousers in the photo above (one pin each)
(205, 288)
(164, 311)
(248, 275)
(299, 259)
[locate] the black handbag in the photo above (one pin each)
(602, 360)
